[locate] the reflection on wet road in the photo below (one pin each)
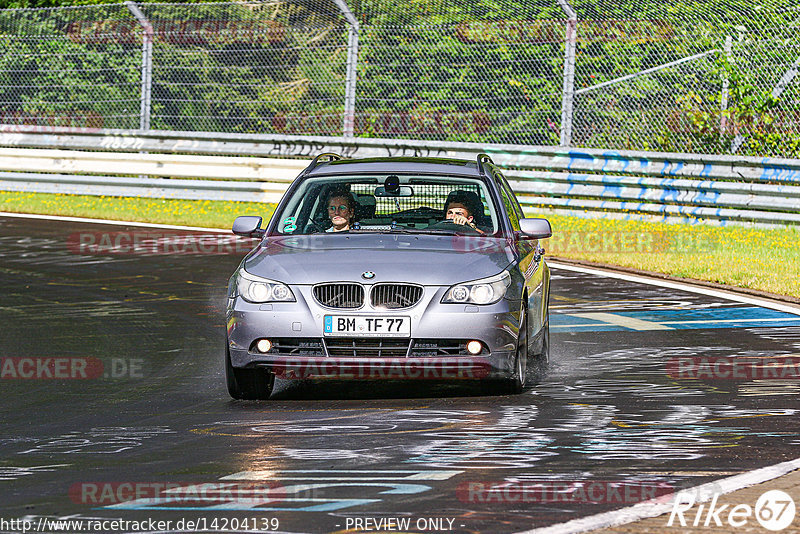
(153, 434)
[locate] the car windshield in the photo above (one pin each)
(389, 203)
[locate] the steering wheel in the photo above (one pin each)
(314, 227)
(424, 210)
(453, 227)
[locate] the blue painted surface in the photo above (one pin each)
(678, 166)
(669, 195)
(780, 173)
(614, 156)
(688, 319)
(707, 196)
(612, 190)
(324, 507)
(574, 156)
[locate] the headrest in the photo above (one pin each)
(365, 206)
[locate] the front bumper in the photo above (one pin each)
(434, 350)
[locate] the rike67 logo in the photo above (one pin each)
(774, 510)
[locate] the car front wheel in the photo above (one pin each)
(517, 381)
(542, 358)
(247, 384)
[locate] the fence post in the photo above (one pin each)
(723, 120)
(348, 122)
(147, 64)
(568, 96)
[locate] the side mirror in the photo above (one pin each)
(535, 228)
(248, 226)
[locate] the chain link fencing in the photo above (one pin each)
(711, 77)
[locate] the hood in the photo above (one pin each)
(421, 259)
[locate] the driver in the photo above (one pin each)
(461, 207)
(341, 208)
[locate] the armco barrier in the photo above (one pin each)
(594, 183)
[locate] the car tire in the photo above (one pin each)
(516, 384)
(247, 384)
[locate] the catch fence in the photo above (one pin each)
(710, 77)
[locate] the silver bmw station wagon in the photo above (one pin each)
(390, 268)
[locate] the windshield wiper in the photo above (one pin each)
(380, 231)
(433, 231)
(400, 230)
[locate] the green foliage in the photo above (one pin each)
(11, 4)
(766, 123)
(458, 70)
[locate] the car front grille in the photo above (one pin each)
(297, 346)
(395, 296)
(342, 296)
(367, 347)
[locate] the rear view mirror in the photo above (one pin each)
(535, 228)
(248, 226)
(400, 191)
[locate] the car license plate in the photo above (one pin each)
(359, 325)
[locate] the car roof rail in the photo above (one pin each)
(483, 158)
(332, 156)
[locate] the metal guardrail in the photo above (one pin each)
(593, 183)
(172, 165)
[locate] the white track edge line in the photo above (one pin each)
(788, 308)
(657, 507)
(110, 221)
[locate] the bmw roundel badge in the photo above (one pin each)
(368, 275)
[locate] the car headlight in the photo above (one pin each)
(256, 289)
(483, 291)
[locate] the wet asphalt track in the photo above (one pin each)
(607, 411)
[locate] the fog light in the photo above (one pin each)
(474, 347)
(264, 345)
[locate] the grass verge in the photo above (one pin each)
(204, 213)
(737, 256)
(760, 259)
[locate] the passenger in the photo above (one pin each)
(341, 208)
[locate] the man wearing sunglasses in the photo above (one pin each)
(340, 210)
